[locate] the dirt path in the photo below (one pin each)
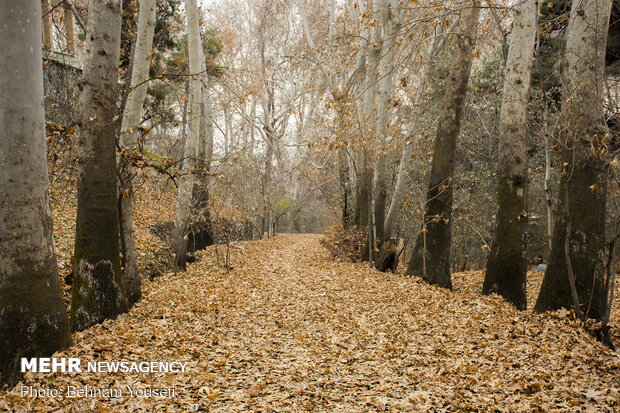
(289, 329)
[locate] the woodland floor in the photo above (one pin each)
(291, 329)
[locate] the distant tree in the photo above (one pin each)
(507, 265)
(575, 275)
(97, 284)
(431, 255)
(340, 89)
(33, 320)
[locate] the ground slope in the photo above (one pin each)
(290, 329)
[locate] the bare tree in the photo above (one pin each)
(341, 94)
(389, 17)
(578, 245)
(184, 199)
(507, 265)
(405, 160)
(97, 284)
(129, 141)
(431, 255)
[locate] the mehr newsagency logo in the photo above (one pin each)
(75, 365)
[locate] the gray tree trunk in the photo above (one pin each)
(97, 284)
(129, 142)
(33, 320)
(431, 254)
(507, 265)
(389, 27)
(363, 189)
(69, 29)
(184, 198)
(200, 229)
(48, 38)
(369, 113)
(578, 246)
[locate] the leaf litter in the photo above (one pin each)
(290, 329)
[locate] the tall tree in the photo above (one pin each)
(372, 57)
(575, 275)
(201, 231)
(389, 17)
(341, 95)
(507, 265)
(97, 285)
(431, 255)
(405, 160)
(33, 321)
(184, 198)
(129, 141)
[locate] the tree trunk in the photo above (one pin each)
(388, 10)
(405, 159)
(578, 245)
(343, 163)
(48, 38)
(33, 321)
(184, 199)
(129, 141)
(226, 131)
(184, 117)
(97, 284)
(431, 255)
(547, 184)
(507, 265)
(69, 29)
(206, 126)
(200, 234)
(369, 99)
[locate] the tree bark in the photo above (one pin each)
(97, 284)
(399, 191)
(369, 108)
(129, 141)
(389, 26)
(200, 234)
(343, 163)
(184, 198)
(405, 159)
(69, 29)
(507, 264)
(584, 175)
(33, 321)
(48, 38)
(431, 255)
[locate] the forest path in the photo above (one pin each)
(290, 329)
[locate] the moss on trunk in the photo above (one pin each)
(507, 265)
(583, 181)
(97, 291)
(33, 320)
(587, 246)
